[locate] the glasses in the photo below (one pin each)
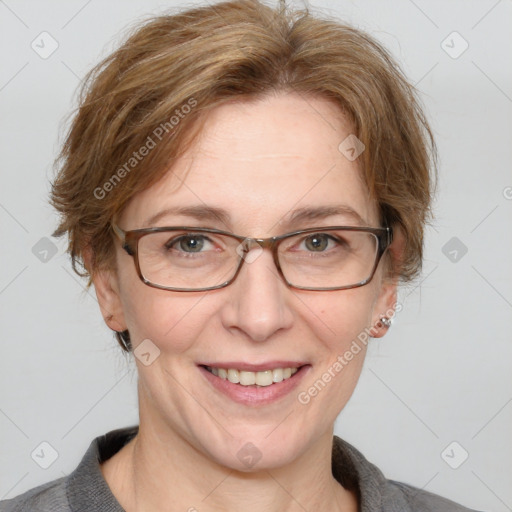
(186, 259)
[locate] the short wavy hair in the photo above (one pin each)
(143, 105)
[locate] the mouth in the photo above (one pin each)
(258, 379)
(254, 385)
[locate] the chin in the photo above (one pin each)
(257, 451)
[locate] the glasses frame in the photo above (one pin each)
(130, 242)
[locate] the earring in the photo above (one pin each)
(123, 338)
(385, 321)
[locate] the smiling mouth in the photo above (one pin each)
(256, 379)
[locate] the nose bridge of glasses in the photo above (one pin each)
(249, 244)
(251, 249)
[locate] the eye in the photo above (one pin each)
(318, 242)
(188, 243)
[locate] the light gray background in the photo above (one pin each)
(442, 374)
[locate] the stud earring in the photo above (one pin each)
(385, 321)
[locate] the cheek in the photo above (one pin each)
(170, 320)
(340, 320)
(340, 316)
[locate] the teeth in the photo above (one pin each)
(263, 378)
(234, 376)
(277, 375)
(247, 378)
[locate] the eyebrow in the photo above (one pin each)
(322, 212)
(199, 212)
(214, 214)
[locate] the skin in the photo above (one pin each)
(259, 161)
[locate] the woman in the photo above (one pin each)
(245, 187)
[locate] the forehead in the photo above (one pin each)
(261, 162)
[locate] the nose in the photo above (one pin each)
(258, 303)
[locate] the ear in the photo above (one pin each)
(106, 285)
(386, 303)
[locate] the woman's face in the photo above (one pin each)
(260, 163)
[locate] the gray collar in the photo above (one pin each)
(349, 467)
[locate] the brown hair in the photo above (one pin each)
(155, 90)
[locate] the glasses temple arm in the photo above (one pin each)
(118, 232)
(389, 235)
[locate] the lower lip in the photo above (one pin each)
(252, 395)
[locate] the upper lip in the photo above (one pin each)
(250, 367)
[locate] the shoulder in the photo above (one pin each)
(420, 500)
(351, 468)
(84, 490)
(50, 497)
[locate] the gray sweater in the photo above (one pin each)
(85, 489)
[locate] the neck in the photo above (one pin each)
(158, 468)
